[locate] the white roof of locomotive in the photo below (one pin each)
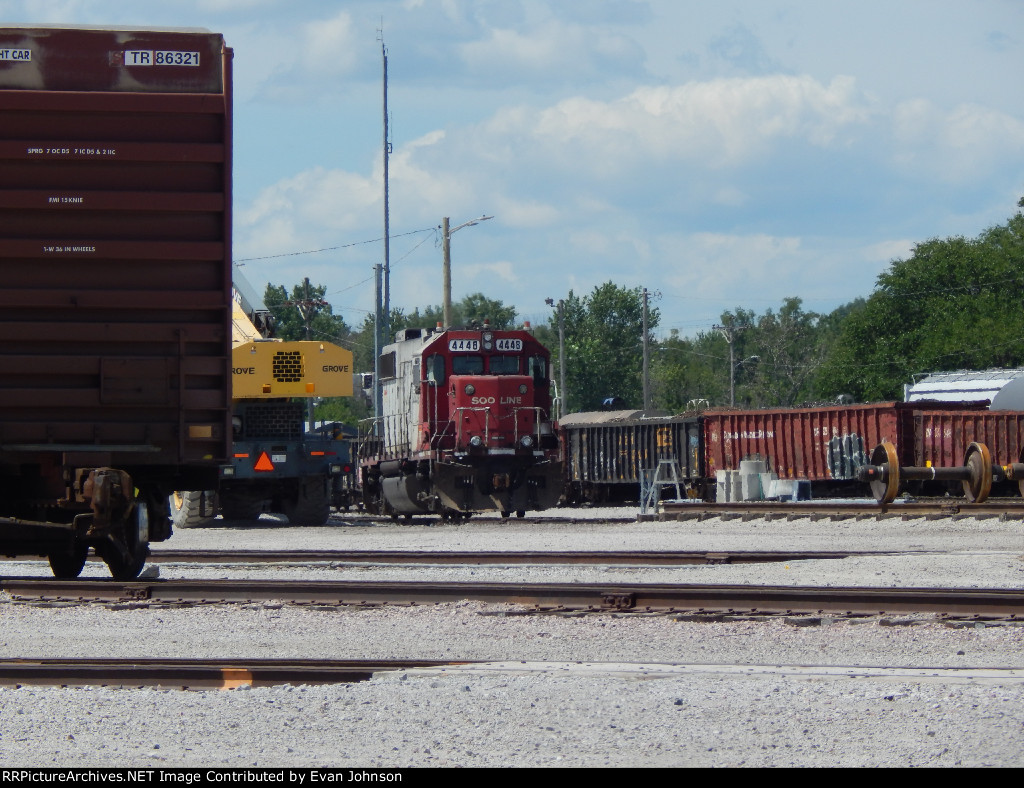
(1003, 388)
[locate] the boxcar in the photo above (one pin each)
(115, 244)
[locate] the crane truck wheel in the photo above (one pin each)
(311, 504)
(241, 504)
(191, 508)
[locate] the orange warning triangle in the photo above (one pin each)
(264, 463)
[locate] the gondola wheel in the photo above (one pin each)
(886, 488)
(979, 463)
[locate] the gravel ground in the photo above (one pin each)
(591, 690)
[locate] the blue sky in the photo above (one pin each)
(721, 154)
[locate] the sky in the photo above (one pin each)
(722, 154)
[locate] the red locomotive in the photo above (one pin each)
(466, 426)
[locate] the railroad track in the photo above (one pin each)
(1010, 509)
(435, 520)
(540, 597)
(196, 673)
(232, 673)
(643, 558)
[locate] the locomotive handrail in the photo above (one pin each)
(538, 418)
(373, 442)
(487, 424)
(439, 433)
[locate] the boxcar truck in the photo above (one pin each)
(115, 302)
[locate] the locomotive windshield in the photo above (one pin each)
(504, 365)
(467, 365)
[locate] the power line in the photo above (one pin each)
(332, 248)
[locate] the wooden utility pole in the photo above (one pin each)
(308, 308)
(646, 372)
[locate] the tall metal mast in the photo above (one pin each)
(382, 317)
(387, 219)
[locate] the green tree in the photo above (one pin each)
(307, 304)
(775, 356)
(951, 305)
(472, 308)
(788, 355)
(686, 373)
(603, 345)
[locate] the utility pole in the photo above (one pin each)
(646, 373)
(378, 396)
(729, 332)
(308, 308)
(382, 273)
(387, 218)
(446, 254)
(561, 353)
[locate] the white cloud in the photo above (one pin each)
(954, 145)
(715, 264)
(328, 45)
(554, 50)
(714, 124)
(526, 213)
(621, 245)
(312, 208)
(885, 252)
(486, 274)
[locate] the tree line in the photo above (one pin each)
(954, 303)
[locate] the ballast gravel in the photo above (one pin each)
(586, 690)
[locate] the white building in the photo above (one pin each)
(1003, 388)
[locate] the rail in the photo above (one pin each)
(544, 597)
(1010, 509)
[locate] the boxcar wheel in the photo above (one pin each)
(69, 564)
(126, 564)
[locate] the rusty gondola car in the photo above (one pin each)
(826, 447)
(115, 247)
